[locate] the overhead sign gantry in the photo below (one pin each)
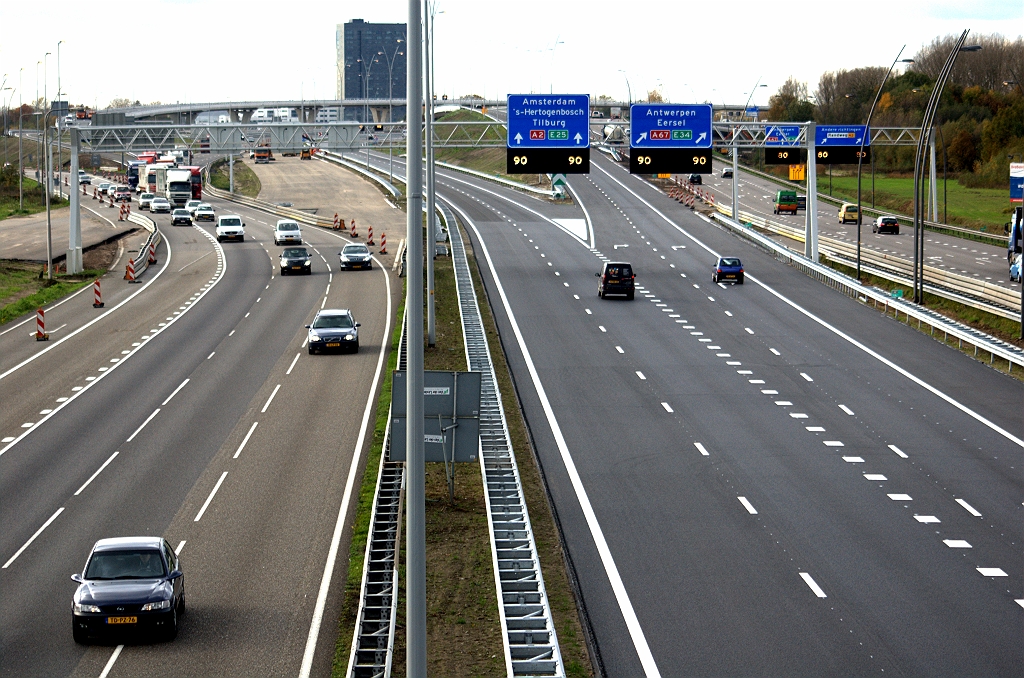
(670, 138)
(548, 134)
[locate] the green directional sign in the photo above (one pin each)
(558, 135)
(682, 135)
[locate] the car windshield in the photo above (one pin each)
(334, 322)
(147, 196)
(295, 253)
(133, 564)
(230, 222)
(355, 249)
(731, 261)
(619, 271)
(193, 203)
(205, 206)
(288, 227)
(160, 200)
(181, 213)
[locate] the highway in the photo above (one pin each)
(190, 410)
(767, 479)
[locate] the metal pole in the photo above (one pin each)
(735, 178)
(811, 224)
(21, 169)
(74, 255)
(60, 131)
(231, 173)
(416, 570)
(48, 159)
(933, 184)
(428, 134)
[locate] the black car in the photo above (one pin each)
(695, 179)
(129, 584)
(182, 217)
(616, 278)
(333, 329)
(296, 260)
(355, 256)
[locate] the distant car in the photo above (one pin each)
(192, 206)
(355, 256)
(728, 269)
(205, 213)
(848, 212)
(181, 216)
(1015, 269)
(287, 232)
(727, 173)
(696, 179)
(82, 178)
(122, 194)
(104, 187)
(333, 329)
(146, 201)
(886, 223)
(296, 260)
(616, 278)
(160, 205)
(129, 584)
(230, 227)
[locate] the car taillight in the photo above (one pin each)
(718, 270)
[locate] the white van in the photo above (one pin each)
(230, 226)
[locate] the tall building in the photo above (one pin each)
(368, 54)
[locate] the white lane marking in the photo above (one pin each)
(927, 519)
(747, 505)
(33, 538)
(769, 391)
(576, 297)
(636, 632)
(956, 544)
(833, 443)
(854, 460)
(970, 509)
(819, 429)
(148, 419)
(846, 409)
(798, 415)
(874, 476)
(701, 449)
(668, 408)
(744, 371)
(806, 376)
(1020, 601)
(774, 351)
(339, 526)
(812, 584)
(589, 312)
(874, 354)
(110, 662)
(756, 381)
(619, 349)
(246, 438)
(991, 571)
(231, 332)
(93, 476)
(601, 327)
(640, 374)
(210, 356)
(258, 299)
(181, 545)
(174, 392)
(900, 497)
(270, 399)
(748, 330)
(733, 362)
(898, 451)
(294, 360)
(210, 498)
(323, 303)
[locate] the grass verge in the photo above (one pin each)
(246, 181)
(24, 289)
(35, 201)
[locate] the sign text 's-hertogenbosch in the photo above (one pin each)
(548, 121)
(670, 126)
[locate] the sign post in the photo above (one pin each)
(548, 134)
(670, 138)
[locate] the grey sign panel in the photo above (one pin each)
(451, 421)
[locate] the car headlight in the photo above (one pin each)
(158, 605)
(307, 262)
(80, 608)
(344, 258)
(313, 336)
(349, 337)
(284, 263)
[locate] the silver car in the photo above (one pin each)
(355, 255)
(146, 201)
(160, 205)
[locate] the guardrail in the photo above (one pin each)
(286, 212)
(141, 260)
(996, 348)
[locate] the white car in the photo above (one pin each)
(160, 205)
(192, 206)
(146, 201)
(230, 226)
(104, 187)
(205, 213)
(287, 232)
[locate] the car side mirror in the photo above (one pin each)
(359, 324)
(243, 224)
(77, 577)
(174, 575)
(597, 275)
(307, 327)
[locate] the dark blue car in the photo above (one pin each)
(130, 585)
(728, 269)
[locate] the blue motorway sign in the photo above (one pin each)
(548, 120)
(1017, 182)
(670, 126)
(781, 135)
(840, 135)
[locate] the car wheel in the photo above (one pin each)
(309, 271)
(79, 634)
(283, 272)
(311, 351)
(220, 239)
(629, 295)
(714, 278)
(896, 232)
(874, 230)
(355, 349)
(172, 630)
(739, 280)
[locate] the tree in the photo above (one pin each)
(119, 102)
(654, 97)
(998, 58)
(790, 103)
(844, 97)
(962, 152)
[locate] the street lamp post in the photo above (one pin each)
(60, 135)
(391, 114)
(629, 89)
(860, 154)
(47, 174)
(21, 169)
(756, 85)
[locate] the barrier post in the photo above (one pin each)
(129, 271)
(120, 213)
(369, 237)
(354, 234)
(97, 296)
(152, 253)
(111, 201)
(336, 222)
(383, 243)
(41, 334)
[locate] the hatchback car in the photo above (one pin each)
(205, 213)
(160, 205)
(616, 278)
(192, 206)
(146, 201)
(129, 584)
(296, 260)
(848, 212)
(182, 217)
(695, 179)
(727, 173)
(355, 256)
(886, 223)
(333, 329)
(287, 232)
(728, 269)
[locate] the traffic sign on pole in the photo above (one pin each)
(548, 133)
(841, 135)
(667, 138)
(782, 135)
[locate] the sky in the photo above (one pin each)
(256, 50)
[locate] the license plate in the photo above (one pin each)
(357, 265)
(730, 275)
(333, 345)
(122, 620)
(613, 282)
(296, 268)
